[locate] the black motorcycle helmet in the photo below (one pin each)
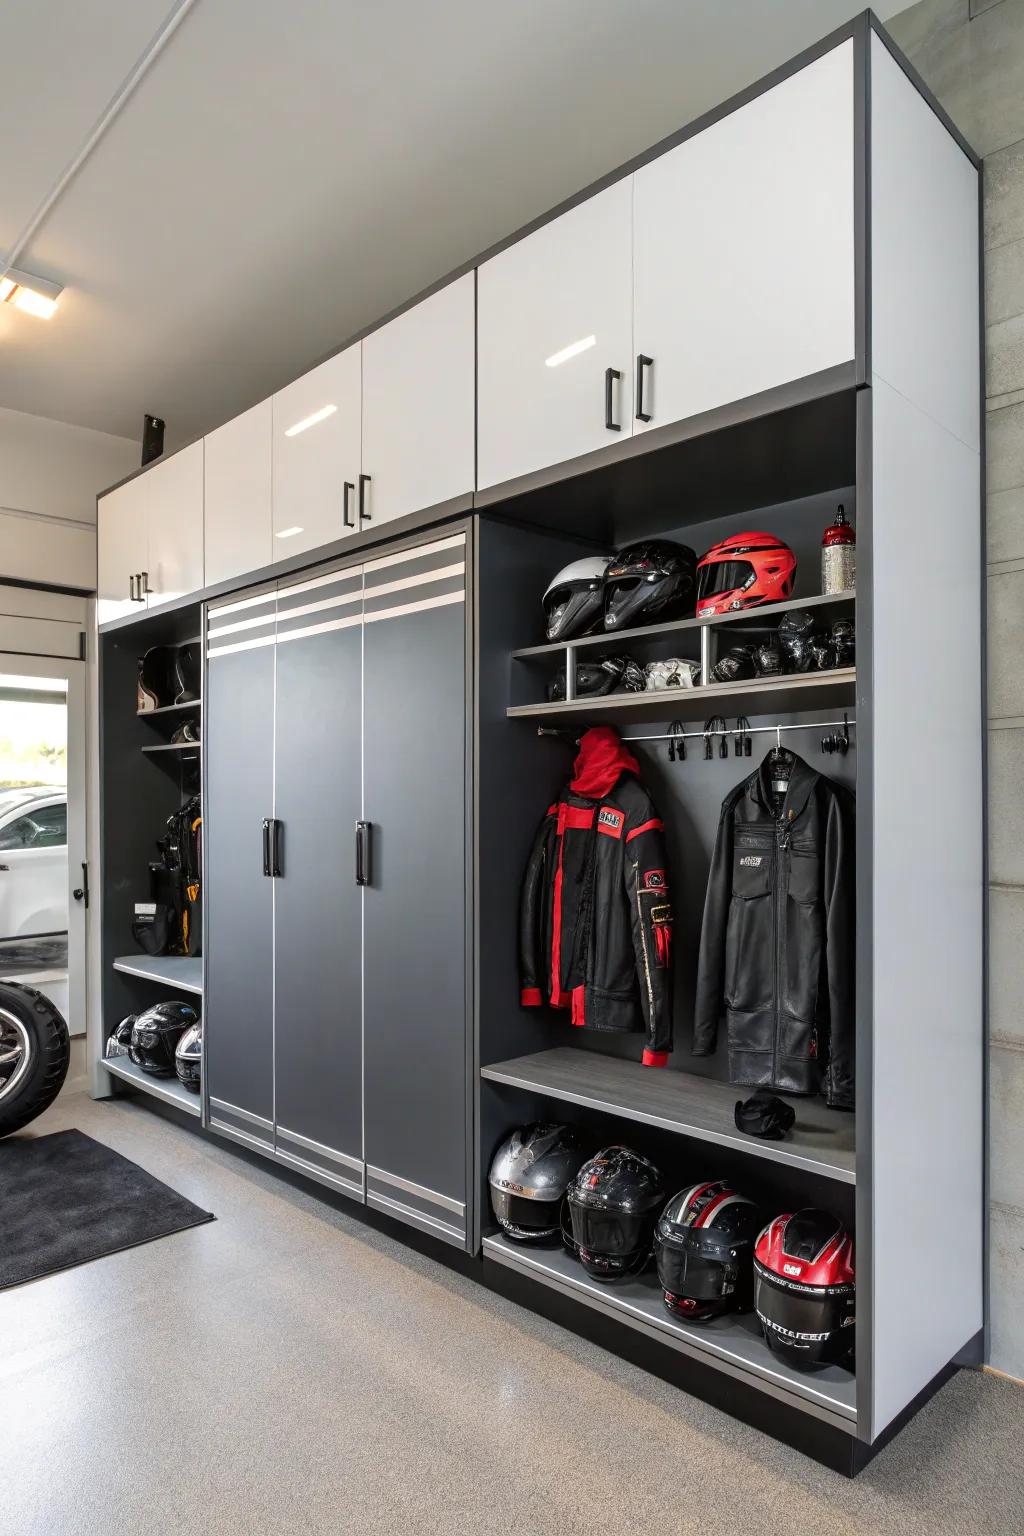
(569, 1243)
(650, 582)
(156, 1033)
(188, 1057)
(614, 1202)
(844, 641)
(767, 659)
(704, 1248)
(157, 679)
(529, 1176)
(187, 673)
(608, 674)
(796, 630)
(804, 1289)
(119, 1042)
(735, 666)
(574, 600)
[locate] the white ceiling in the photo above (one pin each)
(289, 170)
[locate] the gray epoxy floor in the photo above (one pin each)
(285, 1369)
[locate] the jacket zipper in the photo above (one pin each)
(781, 846)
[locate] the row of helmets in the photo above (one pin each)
(714, 1251)
(658, 580)
(164, 1041)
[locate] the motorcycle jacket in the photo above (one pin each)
(777, 945)
(595, 930)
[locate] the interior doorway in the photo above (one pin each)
(43, 871)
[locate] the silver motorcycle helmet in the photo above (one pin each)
(529, 1176)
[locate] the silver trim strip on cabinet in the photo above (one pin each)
(245, 645)
(416, 1218)
(416, 551)
(241, 1114)
(322, 1151)
(419, 1190)
(220, 610)
(322, 1175)
(430, 602)
(223, 1129)
(339, 600)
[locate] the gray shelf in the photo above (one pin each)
(184, 973)
(777, 695)
(191, 747)
(166, 1088)
(754, 618)
(733, 1344)
(822, 1141)
(170, 709)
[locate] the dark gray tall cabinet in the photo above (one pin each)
(336, 909)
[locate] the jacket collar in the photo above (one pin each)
(802, 780)
(601, 763)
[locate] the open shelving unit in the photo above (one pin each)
(166, 1088)
(786, 695)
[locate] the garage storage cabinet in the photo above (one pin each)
(775, 312)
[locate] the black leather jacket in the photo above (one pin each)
(777, 946)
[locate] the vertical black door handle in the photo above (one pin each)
(642, 362)
(144, 585)
(81, 892)
(266, 846)
(131, 588)
(364, 516)
(347, 488)
(611, 375)
(275, 848)
(362, 853)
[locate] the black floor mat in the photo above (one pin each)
(65, 1199)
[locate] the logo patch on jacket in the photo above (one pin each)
(654, 880)
(752, 860)
(610, 821)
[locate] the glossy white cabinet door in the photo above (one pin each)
(554, 313)
(744, 248)
(238, 519)
(418, 399)
(122, 551)
(316, 454)
(174, 518)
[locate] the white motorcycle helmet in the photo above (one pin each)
(574, 600)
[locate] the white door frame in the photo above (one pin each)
(73, 672)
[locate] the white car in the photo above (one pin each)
(33, 862)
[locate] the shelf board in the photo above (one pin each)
(733, 1343)
(174, 746)
(166, 1088)
(760, 618)
(821, 1142)
(759, 696)
(184, 973)
(170, 709)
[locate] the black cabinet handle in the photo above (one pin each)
(364, 516)
(266, 846)
(642, 362)
(144, 587)
(275, 849)
(81, 892)
(362, 853)
(611, 375)
(131, 588)
(347, 488)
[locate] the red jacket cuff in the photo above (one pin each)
(655, 1058)
(530, 997)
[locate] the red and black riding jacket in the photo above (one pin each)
(595, 929)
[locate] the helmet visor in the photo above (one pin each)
(617, 1234)
(685, 1272)
(522, 1217)
(723, 576)
(812, 1321)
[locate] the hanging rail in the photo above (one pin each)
(754, 730)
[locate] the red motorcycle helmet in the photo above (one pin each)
(744, 571)
(805, 1289)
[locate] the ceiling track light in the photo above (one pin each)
(35, 295)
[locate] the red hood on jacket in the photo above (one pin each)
(601, 762)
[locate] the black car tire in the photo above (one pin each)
(32, 1019)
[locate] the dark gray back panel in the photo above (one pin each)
(318, 906)
(238, 1004)
(415, 1032)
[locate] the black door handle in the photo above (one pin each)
(346, 488)
(364, 516)
(362, 853)
(144, 588)
(131, 588)
(642, 362)
(266, 846)
(611, 375)
(81, 892)
(275, 849)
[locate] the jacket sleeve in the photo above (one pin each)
(531, 918)
(711, 964)
(839, 894)
(645, 870)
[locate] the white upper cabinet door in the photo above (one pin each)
(239, 533)
(316, 455)
(554, 315)
(122, 551)
(174, 521)
(744, 249)
(418, 406)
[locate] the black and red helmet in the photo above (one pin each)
(704, 1247)
(650, 582)
(744, 571)
(613, 1203)
(804, 1289)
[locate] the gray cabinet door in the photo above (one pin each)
(238, 731)
(416, 1048)
(318, 905)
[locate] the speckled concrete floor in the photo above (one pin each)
(287, 1370)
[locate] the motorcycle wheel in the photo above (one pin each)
(35, 1050)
